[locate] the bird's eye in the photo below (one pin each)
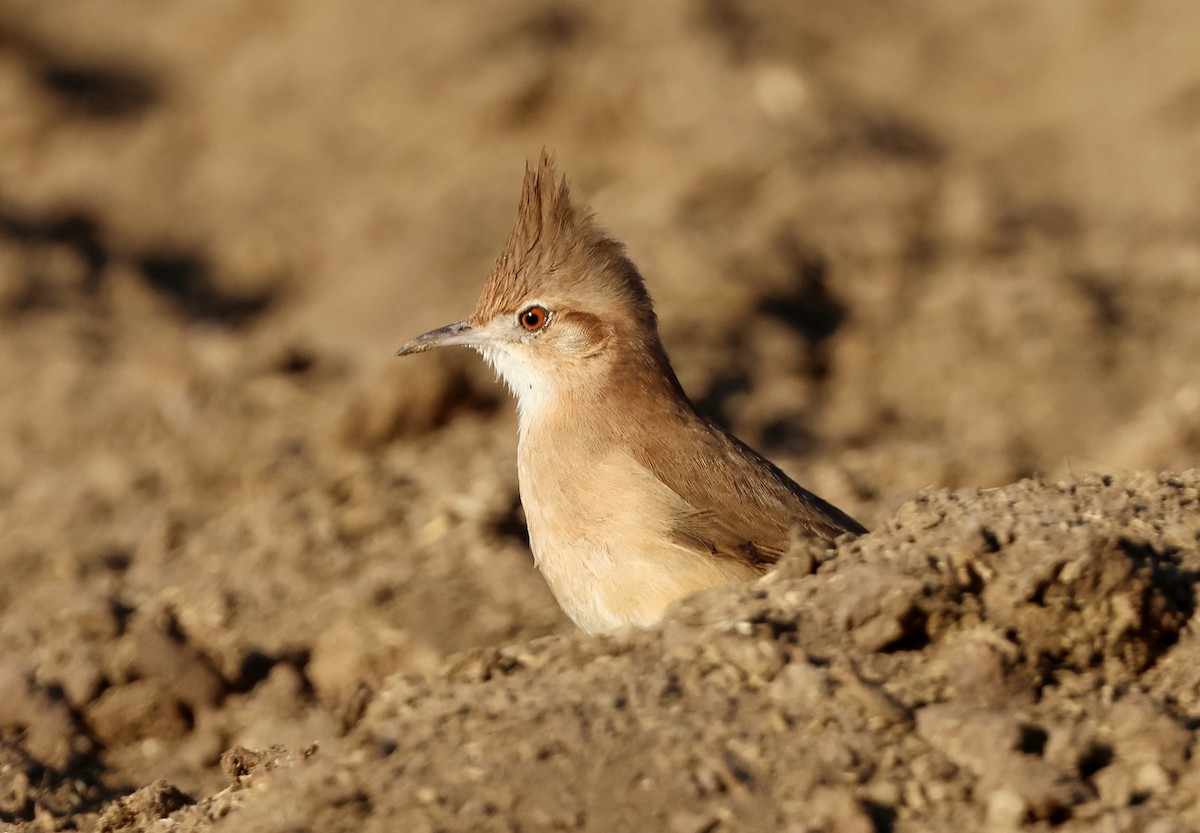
(533, 319)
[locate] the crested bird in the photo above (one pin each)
(633, 498)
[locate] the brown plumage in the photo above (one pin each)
(634, 499)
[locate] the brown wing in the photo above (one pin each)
(705, 532)
(743, 506)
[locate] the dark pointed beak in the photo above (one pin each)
(460, 332)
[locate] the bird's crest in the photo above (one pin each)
(556, 248)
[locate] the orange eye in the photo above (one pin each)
(533, 319)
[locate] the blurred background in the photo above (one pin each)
(894, 245)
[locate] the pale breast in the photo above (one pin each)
(601, 536)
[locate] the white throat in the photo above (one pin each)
(533, 390)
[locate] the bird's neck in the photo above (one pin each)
(598, 405)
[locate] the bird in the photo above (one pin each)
(633, 498)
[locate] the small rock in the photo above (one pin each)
(143, 809)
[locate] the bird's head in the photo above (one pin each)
(563, 308)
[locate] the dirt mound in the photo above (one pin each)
(986, 660)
